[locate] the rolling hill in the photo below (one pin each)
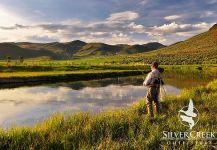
(200, 49)
(14, 51)
(71, 49)
(101, 49)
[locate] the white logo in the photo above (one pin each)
(189, 115)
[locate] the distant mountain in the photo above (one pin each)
(71, 49)
(99, 49)
(14, 51)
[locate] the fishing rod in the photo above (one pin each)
(163, 92)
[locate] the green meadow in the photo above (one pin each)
(87, 65)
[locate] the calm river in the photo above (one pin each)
(28, 105)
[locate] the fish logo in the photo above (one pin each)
(189, 115)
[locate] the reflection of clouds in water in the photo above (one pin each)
(31, 104)
(32, 95)
(64, 94)
(27, 105)
(113, 92)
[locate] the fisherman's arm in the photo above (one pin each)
(147, 80)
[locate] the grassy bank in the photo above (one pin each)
(28, 77)
(55, 70)
(38, 68)
(46, 71)
(127, 128)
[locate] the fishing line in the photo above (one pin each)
(162, 91)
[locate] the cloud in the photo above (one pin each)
(112, 32)
(174, 28)
(136, 28)
(41, 38)
(130, 22)
(173, 17)
(115, 29)
(123, 16)
(16, 26)
(21, 33)
(207, 14)
(168, 33)
(8, 18)
(99, 21)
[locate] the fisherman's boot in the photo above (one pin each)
(150, 109)
(157, 106)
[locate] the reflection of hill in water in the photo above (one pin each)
(187, 80)
(77, 85)
(134, 80)
(179, 80)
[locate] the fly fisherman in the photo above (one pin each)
(153, 81)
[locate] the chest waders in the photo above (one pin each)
(153, 97)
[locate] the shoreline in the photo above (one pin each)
(22, 80)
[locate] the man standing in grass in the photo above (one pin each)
(153, 81)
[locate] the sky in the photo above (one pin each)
(107, 21)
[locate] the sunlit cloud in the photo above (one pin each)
(172, 30)
(173, 17)
(123, 16)
(9, 19)
(114, 29)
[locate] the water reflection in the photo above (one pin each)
(31, 103)
(28, 105)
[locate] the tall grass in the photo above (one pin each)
(128, 128)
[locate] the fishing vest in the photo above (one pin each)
(155, 79)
